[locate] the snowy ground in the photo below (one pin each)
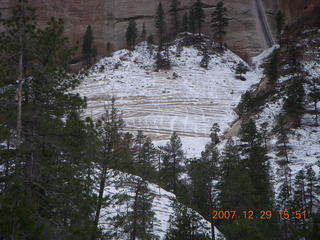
(159, 103)
(304, 142)
(120, 183)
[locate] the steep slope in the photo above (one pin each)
(304, 142)
(121, 183)
(187, 99)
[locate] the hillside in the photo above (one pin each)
(187, 98)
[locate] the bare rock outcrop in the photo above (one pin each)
(109, 19)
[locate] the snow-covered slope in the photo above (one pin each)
(304, 142)
(121, 183)
(187, 99)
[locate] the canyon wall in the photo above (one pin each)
(109, 19)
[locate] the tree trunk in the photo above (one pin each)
(316, 112)
(100, 197)
(134, 222)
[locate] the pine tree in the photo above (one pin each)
(198, 15)
(310, 189)
(219, 22)
(185, 225)
(144, 33)
(185, 23)
(137, 222)
(109, 134)
(254, 156)
(294, 102)
(285, 195)
(202, 173)
(246, 103)
(150, 42)
(314, 95)
(205, 59)
(174, 8)
(241, 69)
(280, 24)
(160, 25)
(132, 34)
(192, 20)
(172, 156)
(282, 132)
(272, 70)
(87, 47)
(49, 177)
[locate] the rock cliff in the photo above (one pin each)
(109, 19)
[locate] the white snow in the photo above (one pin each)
(158, 103)
(119, 183)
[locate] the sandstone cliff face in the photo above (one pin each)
(109, 19)
(294, 9)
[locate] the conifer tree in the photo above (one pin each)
(160, 25)
(314, 96)
(132, 34)
(219, 22)
(88, 50)
(192, 20)
(280, 25)
(109, 134)
(246, 103)
(185, 23)
(241, 69)
(174, 13)
(172, 156)
(50, 173)
(184, 224)
(150, 42)
(294, 102)
(144, 33)
(282, 132)
(205, 59)
(137, 222)
(272, 70)
(310, 189)
(198, 15)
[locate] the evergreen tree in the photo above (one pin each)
(49, 165)
(241, 69)
(185, 23)
(285, 196)
(174, 8)
(272, 70)
(192, 20)
(144, 33)
(282, 132)
(293, 58)
(137, 221)
(246, 103)
(280, 24)
(185, 225)
(219, 22)
(254, 160)
(172, 156)
(132, 34)
(150, 42)
(88, 50)
(109, 128)
(310, 189)
(205, 59)
(198, 15)
(314, 95)
(160, 25)
(294, 102)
